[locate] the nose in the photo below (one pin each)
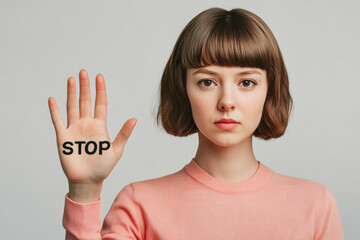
(226, 101)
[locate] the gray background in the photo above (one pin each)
(44, 42)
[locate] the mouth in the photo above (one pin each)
(227, 121)
(227, 124)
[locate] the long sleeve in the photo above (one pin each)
(328, 224)
(83, 221)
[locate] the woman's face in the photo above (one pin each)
(217, 92)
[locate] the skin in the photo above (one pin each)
(86, 173)
(226, 154)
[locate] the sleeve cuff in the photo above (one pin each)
(82, 218)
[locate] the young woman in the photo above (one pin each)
(225, 80)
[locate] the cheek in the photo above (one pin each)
(201, 106)
(252, 111)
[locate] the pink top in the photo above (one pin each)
(192, 204)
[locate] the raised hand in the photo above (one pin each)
(86, 172)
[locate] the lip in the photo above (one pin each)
(226, 120)
(227, 126)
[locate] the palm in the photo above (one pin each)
(87, 168)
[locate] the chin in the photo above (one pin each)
(226, 141)
(226, 144)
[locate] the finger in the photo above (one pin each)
(72, 108)
(55, 116)
(85, 98)
(123, 136)
(100, 101)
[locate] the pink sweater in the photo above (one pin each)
(192, 204)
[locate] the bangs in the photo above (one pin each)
(231, 41)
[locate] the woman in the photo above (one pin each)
(225, 80)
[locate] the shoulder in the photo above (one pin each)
(307, 189)
(302, 192)
(155, 186)
(283, 180)
(304, 188)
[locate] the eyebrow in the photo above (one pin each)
(214, 73)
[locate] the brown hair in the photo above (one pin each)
(225, 38)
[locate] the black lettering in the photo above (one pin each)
(79, 145)
(87, 147)
(101, 146)
(69, 148)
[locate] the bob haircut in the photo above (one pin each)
(225, 38)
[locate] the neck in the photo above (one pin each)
(231, 164)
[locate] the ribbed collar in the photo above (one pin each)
(262, 174)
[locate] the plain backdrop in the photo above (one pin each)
(43, 43)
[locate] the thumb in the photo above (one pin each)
(123, 135)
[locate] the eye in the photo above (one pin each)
(207, 82)
(248, 82)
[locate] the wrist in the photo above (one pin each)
(85, 192)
